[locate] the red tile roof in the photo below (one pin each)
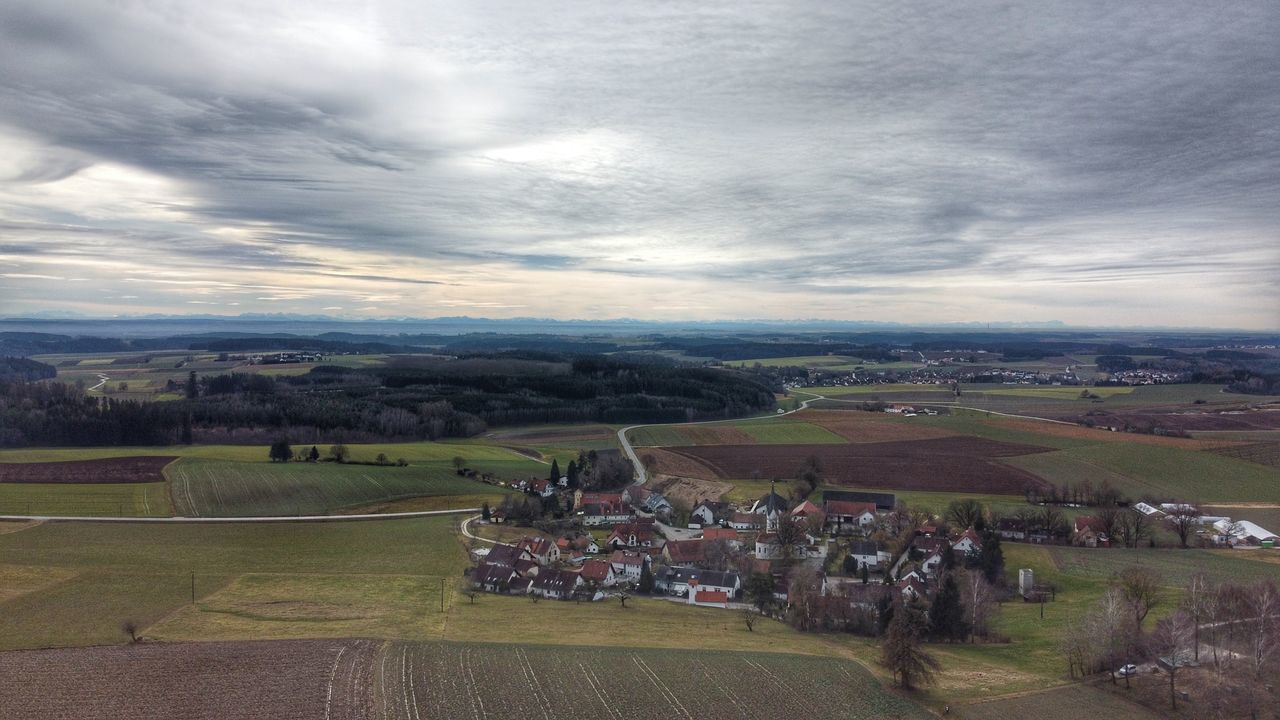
(719, 534)
(845, 507)
(597, 570)
(711, 596)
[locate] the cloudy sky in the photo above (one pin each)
(1097, 163)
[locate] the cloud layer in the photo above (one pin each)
(1096, 163)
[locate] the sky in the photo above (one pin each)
(1096, 163)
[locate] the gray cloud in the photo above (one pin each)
(801, 152)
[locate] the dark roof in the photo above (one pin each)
(714, 578)
(505, 555)
(492, 574)
(883, 501)
(555, 581)
(862, 547)
(771, 502)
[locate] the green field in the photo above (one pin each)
(121, 500)
(223, 488)
(1067, 703)
(767, 431)
(106, 573)
(413, 452)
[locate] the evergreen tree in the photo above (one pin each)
(485, 514)
(946, 614)
(948, 561)
(991, 558)
(187, 439)
(572, 473)
(555, 471)
(280, 451)
(900, 649)
(193, 391)
(646, 579)
(863, 573)
(314, 455)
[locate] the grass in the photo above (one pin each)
(790, 433)
(413, 452)
(125, 499)
(1068, 703)
(113, 572)
(214, 488)
(1174, 566)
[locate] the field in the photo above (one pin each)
(113, 572)
(143, 469)
(1263, 453)
(766, 432)
(349, 679)
(1065, 702)
(941, 464)
(220, 488)
(198, 681)
(98, 499)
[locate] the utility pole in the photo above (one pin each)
(193, 588)
(441, 594)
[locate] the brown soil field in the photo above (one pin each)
(1087, 433)
(106, 470)
(1196, 421)
(716, 435)
(1264, 453)
(673, 463)
(949, 464)
(536, 436)
(299, 680)
(864, 427)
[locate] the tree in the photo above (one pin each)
(1183, 519)
(991, 558)
(130, 628)
(649, 462)
(1133, 528)
(980, 602)
(1112, 622)
(900, 651)
(193, 389)
(572, 473)
(339, 453)
(759, 590)
(187, 436)
(749, 619)
(382, 459)
(645, 584)
(623, 597)
(946, 614)
(1140, 588)
(790, 535)
(964, 513)
(485, 513)
(1262, 601)
(314, 455)
(554, 475)
(280, 451)
(1196, 599)
(459, 462)
(1171, 642)
(863, 573)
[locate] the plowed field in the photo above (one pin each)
(948, 464)
(142, 469)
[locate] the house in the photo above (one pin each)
(1088, 532)
(594, 514)
(599, 572)
(729, 535)
(746, 521)
(542, 487)
(808, 512)
(768, 547)
(555, 584)
(707, 513)
(709, 598)
(912, 589)
(647, 500)
(772, 506)
(843, 514)
(540, 548)
(865, 553)
(493, 578)
(678, 580)
(684, 552)
(628, 565)
(525, 567)
(632, 535)
(582, 498)
(507, 555)
(968, 542)
(884, 502)
(1011, 529)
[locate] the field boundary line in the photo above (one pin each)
(244, 519)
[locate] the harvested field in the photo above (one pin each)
(305, 679)
(554, 435)
(677, 464)
(690, 490)
(141, 469)
(942, 464)
(865, 427)
(690, 435)
(1265, 453)
(1195, 421)
(1087, 433)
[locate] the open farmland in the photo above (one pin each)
(217, 488)
(142, 469)
(96, 499)
(349, 679)
(451, 681)
(942, 464)
(1263, 453)
(1067, 703)
(868, 427)
(306, 680)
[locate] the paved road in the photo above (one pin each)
(266, 519)
(642, 475)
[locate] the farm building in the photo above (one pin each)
(708, 512)
(540, 549)
(555, 584)
(884, 502)
(599, 572)
(843, 514)
(639, 533)
(684, 552)
(1243, 532)
(628, 565)
(709, 598)
(677, 581)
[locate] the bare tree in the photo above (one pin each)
(1195, 600)
(1132, 528)
(1140, 588)
(623, 596)
(130, 628)
(1077, 645)
(791, 535)
(964, 513)
(1183, 519)
(1263, 603)
(749, 619)
(1171, 641)
(980, 605)
(1111, 622)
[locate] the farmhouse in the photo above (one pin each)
(806, 511)
(595, 514)
(684, 552)
(865, 553)
(555, 584)
(1088, 532)
(639, 533)
(493, 578)
(540, 549)
(746, 521)
(628, 565)
(507, 555)
(707, 513)
(599, 572)
(884, 502)
(677, 581)
(841, 514)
